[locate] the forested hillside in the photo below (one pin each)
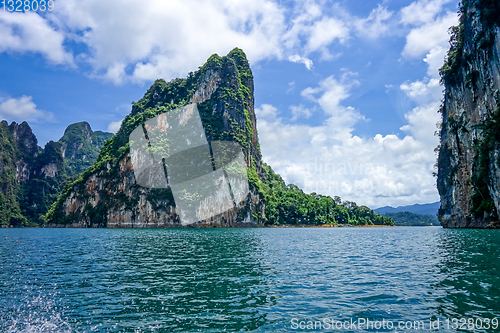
(31, 177)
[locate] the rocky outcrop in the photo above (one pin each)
(12, 169)
(80, 147)
(468, 162)
(26, 145)
(111, 194)
(108, 194)
(32, 177)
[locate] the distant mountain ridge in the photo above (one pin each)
(407, 219)
(422, 209)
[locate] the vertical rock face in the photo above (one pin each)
(80, 147)
(107, 194)
(31, 178)
(27, 148)
(13, 169)
(468, 164)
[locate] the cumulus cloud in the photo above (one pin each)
(330, 159)
(127, 40)
(423, 92)
(379, 170)
(435, 59)
(314, 30)
(429, 37)
(147, 40)
(323, 32)
(429, 33)
(29, 32)
(422, 11)
(426, 37)
(21, 109)
(328, 95)
(422, 119)
(137, 41)
(267, 111)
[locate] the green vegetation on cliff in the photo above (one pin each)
(44, 184)
(162, 97)
(227, 115)
(10, 212)
(32, 178)
(459, 58)
(81, 147)
(471, 116)
(481, 198)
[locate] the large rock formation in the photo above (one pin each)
(469, 163)
(31, 177)
(80, 147)
(110, 194)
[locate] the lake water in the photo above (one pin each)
(262, 280)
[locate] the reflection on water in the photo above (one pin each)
(100, 280)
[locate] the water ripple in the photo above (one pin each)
(100, 280)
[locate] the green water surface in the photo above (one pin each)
(262, 280)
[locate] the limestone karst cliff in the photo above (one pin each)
(109, 194)
(31, 177)
(469, 155)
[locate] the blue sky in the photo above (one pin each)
(346, 92)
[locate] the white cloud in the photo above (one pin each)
(114, 126)
(425, 38)
(329, 159)
(140, 41)
(314, 31)
(376, 24)
(22, 109)
(137, 41)
(147, 40)
(296, 58)
(29, 32)
(429, 37)
(267, 111)
(422, 123)
(423, 92)
(300, 25)
(422, 119)
(332, 92)
(435, 60)
(322, 33)
(422, 11)
(300, 111)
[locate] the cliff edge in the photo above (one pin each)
(107, 194)
(469, 153)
